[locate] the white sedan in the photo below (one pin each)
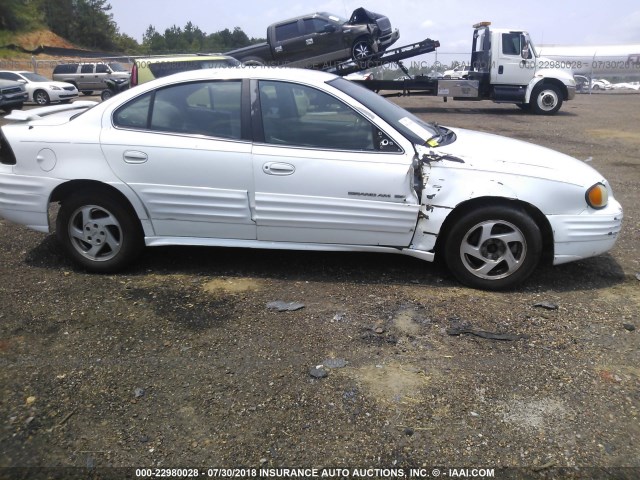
(295, 159)
(41, 90)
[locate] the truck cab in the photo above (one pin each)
(508, 69)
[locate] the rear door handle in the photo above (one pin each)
(277, 168)
(133, 156)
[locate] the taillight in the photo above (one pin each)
(6, 153)
(134, 75)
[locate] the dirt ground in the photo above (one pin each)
(179, 363)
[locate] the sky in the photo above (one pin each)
(587, 22)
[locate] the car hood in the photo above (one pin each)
(493, 153)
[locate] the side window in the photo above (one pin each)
(298, 115)
(201, 108)
(511, 44)
(86, 69)
(101, 68)
(315, 25)
(134, 114)
(287, 31)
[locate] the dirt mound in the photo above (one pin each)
(37, 38)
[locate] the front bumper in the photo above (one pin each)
(9, 100)
(586, 235)
(389, 39)
(571, 93)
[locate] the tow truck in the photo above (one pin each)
(504, 68)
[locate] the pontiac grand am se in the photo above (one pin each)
(295, 159)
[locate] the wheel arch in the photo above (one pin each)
(547, 81)
(128, 199)
(482, 202)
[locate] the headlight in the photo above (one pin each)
(53, 87)
(597, 196)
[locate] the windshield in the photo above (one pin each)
(413, 128)
(117, 67)
(34, 77)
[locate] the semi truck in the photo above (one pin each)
(504, 67)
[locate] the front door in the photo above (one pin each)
(514, 65)
(181, 150)
(325, 174)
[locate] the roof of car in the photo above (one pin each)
(276, 73)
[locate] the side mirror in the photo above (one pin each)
(22, 81)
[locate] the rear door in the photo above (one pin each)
(323, 172)
(181, 149)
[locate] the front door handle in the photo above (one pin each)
(278, 49)
(133, 156)
(277, 168)
(309, 41)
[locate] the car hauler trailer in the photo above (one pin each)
(504, 68)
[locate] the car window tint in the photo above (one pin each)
(315, 25)
(199, 108)
(86, 69)
(101, 68)
(286, 31)
(298, 115)
(134, 114)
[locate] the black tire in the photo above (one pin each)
(106, 95)
(10, 108)
(87, 92)
(361, 48)
(253, 62)
(546, 99)
(477, 254)
(98, 231)
(595, 87)
(41, 97)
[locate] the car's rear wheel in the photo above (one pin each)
(41, 97)
(493, 248)
(546, 99)
(99, 232)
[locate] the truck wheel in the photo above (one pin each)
(493, 248)
(546, 99)
(361, 49)
(253, 62)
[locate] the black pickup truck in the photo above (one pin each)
(321, 39)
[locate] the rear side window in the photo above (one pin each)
(86, 69)
(200, 108)
(66, 68)
(287, 31)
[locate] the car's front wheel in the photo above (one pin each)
(41, 97)
(106, 94)
(99, 232)
(493, 248)
(361, 49)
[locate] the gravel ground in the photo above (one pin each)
(179, 362)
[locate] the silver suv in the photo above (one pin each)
(88, 77)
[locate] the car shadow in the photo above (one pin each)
(352, 267)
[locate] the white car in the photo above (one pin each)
(457, 73)
(601, 84)
(295, 159)
(41, 90)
